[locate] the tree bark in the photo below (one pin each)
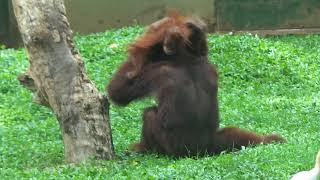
(57, 78)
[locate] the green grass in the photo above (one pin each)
(266, 85)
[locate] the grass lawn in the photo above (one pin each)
(266, 85)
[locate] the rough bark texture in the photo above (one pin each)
(57, 78)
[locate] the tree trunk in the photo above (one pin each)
(57, 78)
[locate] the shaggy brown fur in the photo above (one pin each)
(170, 61)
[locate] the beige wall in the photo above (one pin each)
(203, 8)
(257, 16)
(98, 15)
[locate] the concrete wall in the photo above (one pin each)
(98, 15)
(220, 15)
(267, 14)
(257, 16)
(4, 18)
(9, 33)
